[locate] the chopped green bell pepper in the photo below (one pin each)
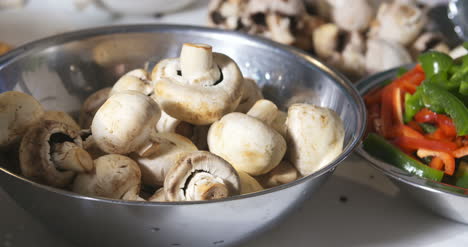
(434, 62)
(450, 104)
(380, 148)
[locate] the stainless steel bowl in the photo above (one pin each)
(62, 70)
(443, 199)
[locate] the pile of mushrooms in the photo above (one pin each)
(358, 37)
(193, 128)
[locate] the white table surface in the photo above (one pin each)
(374, 214)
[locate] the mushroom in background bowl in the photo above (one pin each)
(69, 67)
(423, 156)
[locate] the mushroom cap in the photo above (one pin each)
(63, 117)
(382, 55)
(124, 123)
(251, 92)
(135, 80)
(181, 174)
(247, 143)
(248, 183)
(325, 40)
(352, 17)
(171, 147)
(430, 41)
(90, 145)
(226, 14)
(315, 137)
(194, 103)
(114, 176)
(35, 153)
(284, 173)
(398, 21)
(91, 105)
(288, 8)
(18, 113)
(279, 123)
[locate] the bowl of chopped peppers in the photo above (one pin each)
(417, 130)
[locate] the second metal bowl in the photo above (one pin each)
(443, 199)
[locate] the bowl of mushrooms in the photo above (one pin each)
(169, 135)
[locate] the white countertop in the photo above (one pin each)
(356, 207)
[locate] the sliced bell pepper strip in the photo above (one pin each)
(447, 159)
(386, 111)
(436, 163)
(445, 124)
(417, 143)
(435, 63)
(413, 104)
(460, 152)
(451, 105)
(380, 148)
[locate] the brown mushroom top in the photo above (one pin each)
(35, 153)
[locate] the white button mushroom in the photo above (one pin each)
(91, 105)
(315, 137)
(251, 92)
(52, 153)
(18, 113)
(171, 147)
(226, 14)
(125, 122)
(284, 173)
(63, 117)
(352, 16)
(208, 87)
(201, 175)
(341, 49)
(398, 21)
(115, 176)
(136, 80)
(158, 196)
(382, 55)
(248, 183)
(247, 141)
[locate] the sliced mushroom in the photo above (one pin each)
(208, 87)
(247, 141)
(18, 113)
(171, 147)
(248, 183)
(382, 55)
(52, 153)
(284, 173)
(125, 123)
(115, 176)
(398, 21)
(341, 49)
(353, 17)
(135, 80)
(429, 41)
(63, 117)
(315, 137)
(201, 175)
(251, 92)
(226, 14)
(91, 105)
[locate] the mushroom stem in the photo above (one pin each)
(204, 186)
(264, 110)
(69, 156)
(195, 59)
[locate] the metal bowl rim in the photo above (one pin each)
(62, 38)
(365, 85)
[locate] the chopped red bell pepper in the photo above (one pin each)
(447, 159)
(417, 143)
(460, 152)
